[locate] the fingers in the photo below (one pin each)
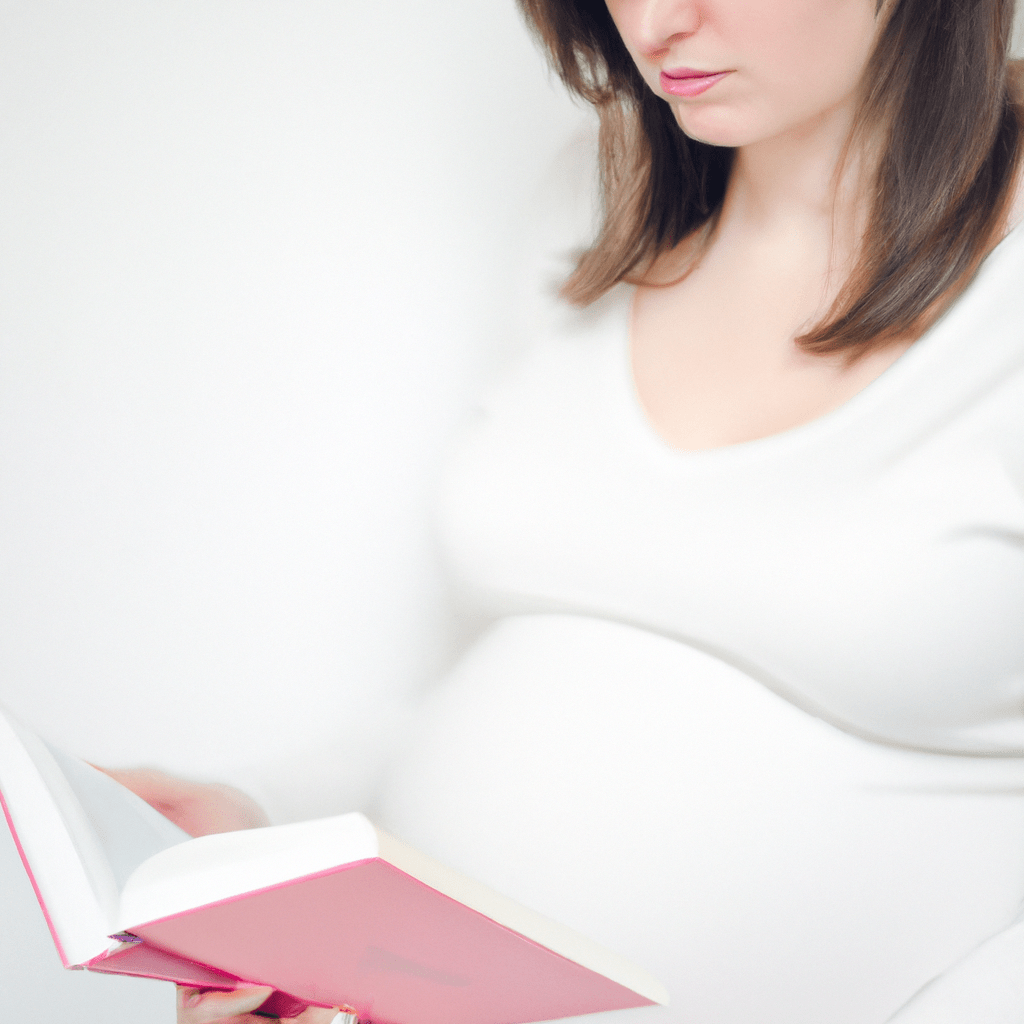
(199, 808)
(318, 1015)
(198, 1007)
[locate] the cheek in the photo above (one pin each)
(809, 47)
(795, 61)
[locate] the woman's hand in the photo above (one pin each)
(235, 1007)
(199, 808)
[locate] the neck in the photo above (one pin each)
(800, 184)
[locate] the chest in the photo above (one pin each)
(714, 359)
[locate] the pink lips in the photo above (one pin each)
(689, 81)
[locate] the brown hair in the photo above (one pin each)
(945, 98)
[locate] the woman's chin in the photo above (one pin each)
(713, 127)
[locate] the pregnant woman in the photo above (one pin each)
(744, 531)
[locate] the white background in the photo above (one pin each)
(255, 255)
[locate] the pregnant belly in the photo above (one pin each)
(767, 867)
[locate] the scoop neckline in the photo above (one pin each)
(806, 432)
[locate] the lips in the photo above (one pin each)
(690, 73)
(689, 81)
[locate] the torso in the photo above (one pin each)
(751, 716)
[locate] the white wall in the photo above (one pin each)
(254, 255)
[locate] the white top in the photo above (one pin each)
(868, 566)
(721, 718)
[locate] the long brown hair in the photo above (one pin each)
(945, 98)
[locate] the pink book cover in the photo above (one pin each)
(372, 937)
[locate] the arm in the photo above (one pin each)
(986, 987)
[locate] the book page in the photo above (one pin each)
(80, 834)
(213, 868)
(69, 872)
(126, 828)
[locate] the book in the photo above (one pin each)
(331, 912)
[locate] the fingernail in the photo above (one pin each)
(194, 1000)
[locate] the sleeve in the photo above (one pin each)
(986, 987)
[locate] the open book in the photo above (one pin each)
(330, 912)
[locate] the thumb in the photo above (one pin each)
(197, 1007)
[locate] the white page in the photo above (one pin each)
(81, 833)
(218, 867)
(127, 829)
(66, 862)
